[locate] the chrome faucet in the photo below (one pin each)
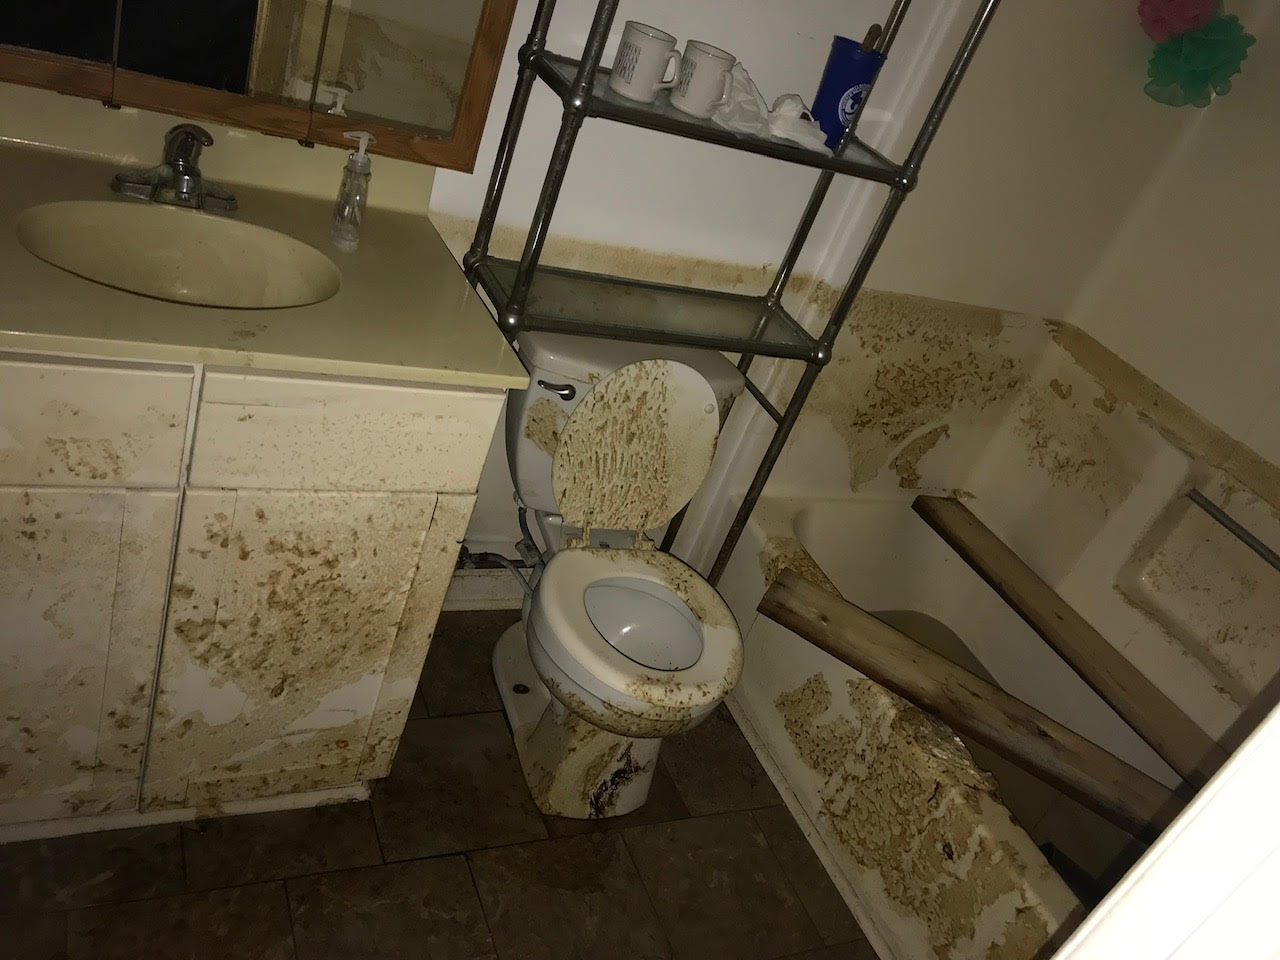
(177, 180)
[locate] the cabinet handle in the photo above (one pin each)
(564, 391)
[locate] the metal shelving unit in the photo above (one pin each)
(527, 296)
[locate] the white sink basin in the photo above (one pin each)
(177, 254)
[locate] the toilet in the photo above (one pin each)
(619, 645)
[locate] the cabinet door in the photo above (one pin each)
(81, 608)
(285, 616)
(91, 424)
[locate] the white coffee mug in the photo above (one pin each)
(705, 79)
(640, 68)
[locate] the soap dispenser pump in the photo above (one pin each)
(348, 212)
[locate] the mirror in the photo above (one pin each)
(418, 74)
(404, 61)
(72, 28)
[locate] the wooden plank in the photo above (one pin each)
(1083, 770)
(1152, 715)
(35, 68)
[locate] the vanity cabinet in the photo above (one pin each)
(90, 456)
(285, 611)
(273, 644)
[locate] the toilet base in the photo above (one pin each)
(573, 769)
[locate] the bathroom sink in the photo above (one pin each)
(176, 254)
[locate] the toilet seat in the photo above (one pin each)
(565, 630)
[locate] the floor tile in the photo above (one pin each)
(417, 706)
(809, 878)
(271, 846)
(247, 923)
(38, 936)
(577, 898)
(455, 785)
(424, 909)
(715, 769)
(458, 676)
(89, 868)
(663, 804)
(718, 889)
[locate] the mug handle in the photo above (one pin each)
(728, 89)
(674, 61)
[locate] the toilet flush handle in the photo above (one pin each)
(564, 391)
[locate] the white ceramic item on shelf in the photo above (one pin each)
(640, 67)
(619, 645)
(705, 79)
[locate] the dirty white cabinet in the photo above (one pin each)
(275, 645)
(317, 538)
(285, 608)
(86, 532)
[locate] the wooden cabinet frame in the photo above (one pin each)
(455, 150)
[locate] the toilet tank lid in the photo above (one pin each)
(587, 359)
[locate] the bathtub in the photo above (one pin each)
(933, 842)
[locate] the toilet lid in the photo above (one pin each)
(571, 638)
(636, 448)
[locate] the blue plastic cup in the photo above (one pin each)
(847, 79)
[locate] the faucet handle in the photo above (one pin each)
(183, 143)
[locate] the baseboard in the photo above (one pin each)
(484, 590)
(40, 829)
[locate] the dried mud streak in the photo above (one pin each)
(322, 616)
(543, 426)
(1072, 446)
(905, 800)
(594, 765)
(603, 797)
(620, 454)
(1219, 608)
(907, 463)
(1175, 421)
(788, 553)
(49, 538)
(648, 722)
(87, 458)
(901, 365)
(634, 262)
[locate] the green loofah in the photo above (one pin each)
(1194, 67)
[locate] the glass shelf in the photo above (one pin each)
(595, 305)
(858, 160)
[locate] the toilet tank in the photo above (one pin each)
(562, 370)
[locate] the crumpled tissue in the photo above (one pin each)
(744, 111)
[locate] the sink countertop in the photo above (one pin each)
(404, 312)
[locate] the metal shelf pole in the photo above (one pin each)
(534, 45)
(575, 112)
(819, 193)
(897, 195)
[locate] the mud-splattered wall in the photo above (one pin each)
(1076, 460)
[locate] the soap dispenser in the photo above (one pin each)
(348, 212)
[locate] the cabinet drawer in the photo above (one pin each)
(296, 433)
(91, 424)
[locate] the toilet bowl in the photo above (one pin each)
(618, 646)
(633, 641)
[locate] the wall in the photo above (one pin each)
(133, 137)
(1046, 144)
(1187, 289)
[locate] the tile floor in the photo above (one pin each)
(449, 861)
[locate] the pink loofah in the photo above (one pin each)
(1165, 19)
